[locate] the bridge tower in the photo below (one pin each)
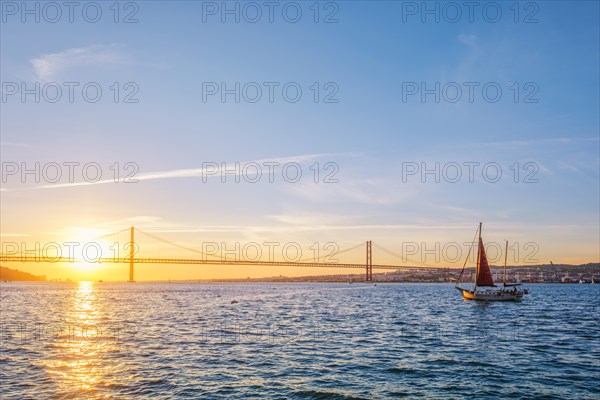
(131, 253)
(369, 263)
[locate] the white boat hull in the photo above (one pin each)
(492, 295)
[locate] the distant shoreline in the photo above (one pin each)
(526, 274)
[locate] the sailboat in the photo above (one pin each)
(484, 288)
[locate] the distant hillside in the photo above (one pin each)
(7, 274)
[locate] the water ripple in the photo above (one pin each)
(303, 341)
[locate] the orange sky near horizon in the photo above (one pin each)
(426, 251)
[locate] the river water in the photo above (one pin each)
(305, 341)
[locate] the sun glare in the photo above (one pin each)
(86, 248)
(86, 266)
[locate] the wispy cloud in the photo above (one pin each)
(313, 219)
(532, 142)
(568, 167)
(205, 172)
(13, 234)
(14, 144)
(373, 191)
(469, 40)
(464, 68)
(461, 212)
(49, 66)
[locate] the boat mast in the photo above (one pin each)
(478, 254)
(466, 260)
(505, 258)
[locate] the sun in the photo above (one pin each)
(86, 266)
(84, 247)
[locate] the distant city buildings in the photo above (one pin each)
(587, 273)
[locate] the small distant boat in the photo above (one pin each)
(484, 288)
(567, 279)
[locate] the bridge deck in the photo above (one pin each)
(13, 258)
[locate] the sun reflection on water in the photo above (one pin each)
(80, 364)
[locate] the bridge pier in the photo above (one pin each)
(131, 253)
(369, 263)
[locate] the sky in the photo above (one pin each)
(404, 123)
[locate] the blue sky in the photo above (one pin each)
(369, 133)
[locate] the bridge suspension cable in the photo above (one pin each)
(112, 234)
(178, 245)
(401, 257)
(171, 243)
(334, 254)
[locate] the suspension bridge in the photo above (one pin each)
(132, 247)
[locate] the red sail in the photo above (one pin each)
(484, 276)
